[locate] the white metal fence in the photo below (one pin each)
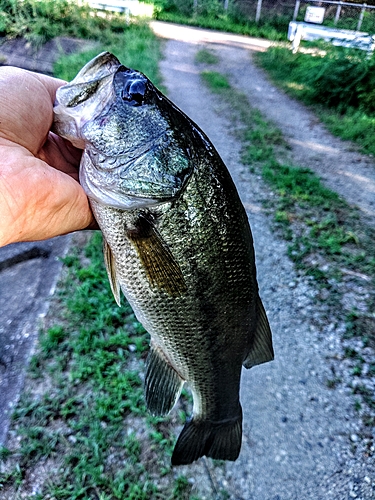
(361, 9)
(337, 12)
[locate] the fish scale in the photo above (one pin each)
(179, 246)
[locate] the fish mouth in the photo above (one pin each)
(73, 106)
(104, 64)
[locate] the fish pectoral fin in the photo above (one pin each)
(162, 383)
(110, 264)
(161, 267)
(261, 350)
(220, 440)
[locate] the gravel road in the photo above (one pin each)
(301, 439)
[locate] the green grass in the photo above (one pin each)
(137, 47)
(339, 85)
(205, 56)
(41, 20)
(272, 29)
(83, 415)
(326, 237)
(215, 80)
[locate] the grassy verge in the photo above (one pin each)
(81, 430)
(338, 83)
(137, 47)
(272, 30)
(40, 20)
(326, 238)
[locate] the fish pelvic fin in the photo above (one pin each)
(162, 383)
(261, 350)
(110, 264)
(219, 440)
(162, 269)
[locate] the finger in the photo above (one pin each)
(51, 84)
(26, 106)
(61, 154)
(38, 202)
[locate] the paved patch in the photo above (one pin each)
(22, 54)
(28, 276)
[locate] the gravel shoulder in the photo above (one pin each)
(301, 439)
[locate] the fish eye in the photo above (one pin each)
(134, 92)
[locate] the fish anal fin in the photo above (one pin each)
(161, 268)
(219, 440)
(261, 350)
(162, 383)
(110, 264)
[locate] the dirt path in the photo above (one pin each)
(300, 437)
(343, 169)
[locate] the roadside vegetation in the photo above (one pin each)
(327, 239)
(39, 21)
(136, 47)
(81, 429)
(211, 14)
(338, 82)
(239, 17)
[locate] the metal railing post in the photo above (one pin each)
(338, 12)
(296, 9)
(259, 9)
(361, 17)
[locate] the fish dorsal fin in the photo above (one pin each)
(162, 383)
(261, 350)
(158, 261)
(110, 264)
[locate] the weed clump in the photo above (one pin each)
(41, 20)
(339, 82)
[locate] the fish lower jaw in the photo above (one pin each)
(110, 198)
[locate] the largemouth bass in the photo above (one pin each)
(177, 242)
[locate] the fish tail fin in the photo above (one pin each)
(219, 440)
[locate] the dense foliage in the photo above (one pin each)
(339, 81)
(39, 21)
(211, 14)
(338, 78)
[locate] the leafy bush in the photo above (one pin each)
(336, 77)
(211, 14)
(343, 80)
(41, 20)
(341, 85)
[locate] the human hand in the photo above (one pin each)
(40, 196)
